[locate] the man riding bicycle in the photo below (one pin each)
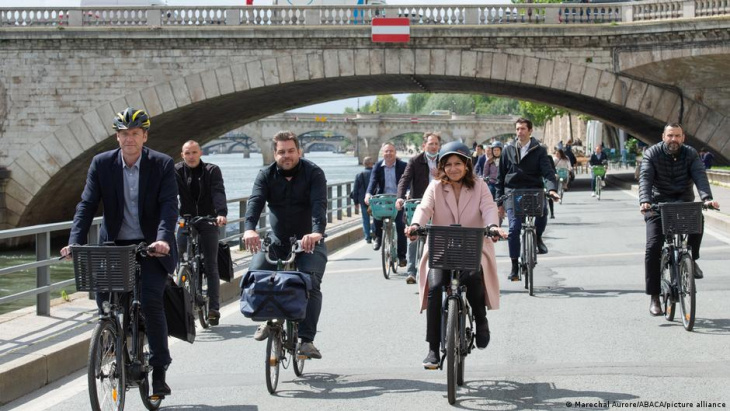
(202, 194)
(296, 192)
(524, 165)
(137, 188)
(598, 158)
(669, 169)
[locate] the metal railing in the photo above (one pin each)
(427, 14)
(339, 202)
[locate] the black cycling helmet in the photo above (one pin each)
(497, 144)
(455, 147)
(131, 118)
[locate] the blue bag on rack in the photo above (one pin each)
(268, 295)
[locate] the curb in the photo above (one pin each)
(32, 371)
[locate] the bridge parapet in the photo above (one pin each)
(420, 15)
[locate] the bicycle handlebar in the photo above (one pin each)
(296, 248)
(657, 207)
(423, 231)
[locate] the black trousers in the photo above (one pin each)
(653, 254)
(437, 279)
(400, 226)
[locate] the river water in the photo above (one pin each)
(238, 176)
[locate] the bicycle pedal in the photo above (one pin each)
(302, 357)
(156, 397)
(431, 367)
(273, 362)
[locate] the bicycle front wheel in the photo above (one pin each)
(687, 292)
(144, 387)
(106, 373)
(385, 251)
(561, 191)
(298, 360)
(273, 359)
(598, 188)
(529, 261)
(202, 300)
(667, 295)
(452, 330)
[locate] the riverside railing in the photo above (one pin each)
(431, 14)
(338, 204)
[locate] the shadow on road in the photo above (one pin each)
(189, 407)
(225, 332)
(705, 326)
(572, 292)
(474, 395)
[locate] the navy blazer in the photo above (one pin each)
(377, 177)
(158, 210)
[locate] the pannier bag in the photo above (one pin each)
(179, 312)
(225, 263)
(268, 295)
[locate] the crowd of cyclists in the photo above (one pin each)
(143, 193)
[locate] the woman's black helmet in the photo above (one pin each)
(131, 118)
(455, 147)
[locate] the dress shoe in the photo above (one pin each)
(483, 335)
(376, 244)
(698, 273)
(514, 275)
(402, 262)
(214, 317)
(541, 247)
(655, 307)
(159, 387)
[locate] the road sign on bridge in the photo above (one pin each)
(391, 30)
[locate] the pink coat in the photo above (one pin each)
(476, 209)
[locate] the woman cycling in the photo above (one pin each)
(492, 167)
(562, 161)
(457, 197)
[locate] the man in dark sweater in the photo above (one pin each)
(202, 194)
(362, 179)
(669, 169)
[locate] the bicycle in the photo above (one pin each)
(458, 250)
(599, 173)
(111, 370)
(410, 209)
(562, 174)
(383, 208)
(677, 265)
(527, 203)
(282, 346)
(190, 271)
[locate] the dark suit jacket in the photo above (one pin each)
(377, 177)
(157, 204)
(415, 177)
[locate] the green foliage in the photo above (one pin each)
(539, 114)
(632, 145)
(416, 101)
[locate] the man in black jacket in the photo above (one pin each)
(524, 165)
(362, 179)
(419, 172)
(296, 192)
(669, 169)
(598, 158)
(202, 193)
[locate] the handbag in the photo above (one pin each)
(268, 295)
(225, 263)
(179, 312)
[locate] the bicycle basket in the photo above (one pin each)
(563, 173)
(383, 206)
(455, 248)
(681, 218)
(104, 269)
(599, 171)
(527, 203)
(410, 207)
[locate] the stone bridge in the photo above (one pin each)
(367, 132)
(202, 72)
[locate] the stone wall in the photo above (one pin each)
(558, 129)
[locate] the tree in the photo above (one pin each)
(539, 114)
(416, 101)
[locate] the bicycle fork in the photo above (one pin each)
(453, 292)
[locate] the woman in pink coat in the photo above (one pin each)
(457, 197)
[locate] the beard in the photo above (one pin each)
(673, 148)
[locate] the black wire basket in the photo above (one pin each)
(527, 203)
(104, 269)
(681, 218)
(455, 247)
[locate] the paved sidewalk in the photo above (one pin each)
(37, 350)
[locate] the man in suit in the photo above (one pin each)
(138, 190)
(420, 170)
(384, 180)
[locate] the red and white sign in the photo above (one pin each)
(391, 30)
(414, 119)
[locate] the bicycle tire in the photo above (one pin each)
(668, 303)
(106, 371)
(687, 292)
(296, 358)
(144, 386)
(464, 342)
(451, 348)
(204, 301)
(561, 191)
(394, 249)
(598, 188)
(530, 266)
(273, 360)
(385, 252)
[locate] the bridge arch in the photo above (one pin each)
(53, 172)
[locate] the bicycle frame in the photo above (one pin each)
(456, 291)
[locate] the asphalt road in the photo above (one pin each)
(585, 337)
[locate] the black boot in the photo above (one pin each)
(159, 387)
(514, 275)
(483, 334)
